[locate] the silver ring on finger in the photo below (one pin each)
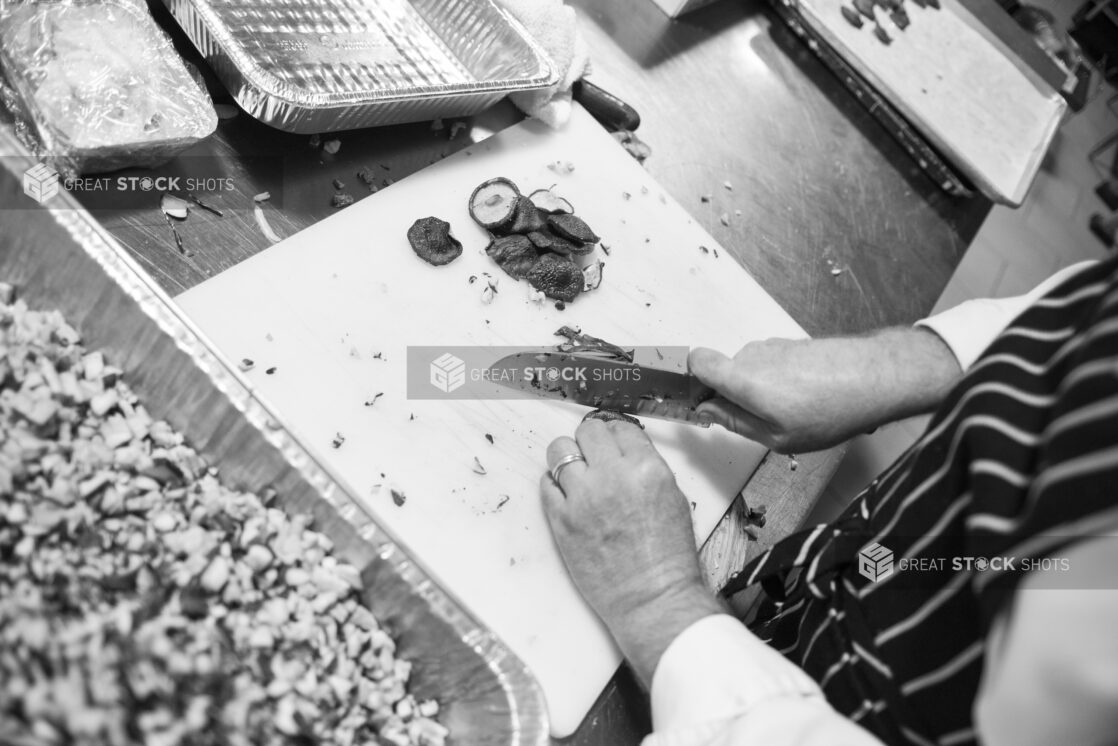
(563, 463)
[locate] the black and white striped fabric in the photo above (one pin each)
(1020, 461)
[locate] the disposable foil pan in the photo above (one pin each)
(62, 259)
(324, 65)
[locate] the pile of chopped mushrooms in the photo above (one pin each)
(141, 602)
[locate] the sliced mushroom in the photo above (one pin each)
(493, 205)
(573, 228)
(550, 202)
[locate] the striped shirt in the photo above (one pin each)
(1020, 462)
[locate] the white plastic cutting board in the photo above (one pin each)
(320, 305)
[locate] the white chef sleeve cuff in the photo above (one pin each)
(716, 670)
(968, 328)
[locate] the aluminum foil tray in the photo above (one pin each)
(323, 65)
(60, 258)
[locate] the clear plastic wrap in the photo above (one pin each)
(99, 84)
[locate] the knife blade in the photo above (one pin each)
(604, 382)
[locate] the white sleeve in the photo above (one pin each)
(718, 685)
(969, 328)
(1051, 673)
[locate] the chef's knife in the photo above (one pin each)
(604, 382)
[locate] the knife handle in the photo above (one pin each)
(610, 111)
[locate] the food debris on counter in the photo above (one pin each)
(756, 516)
(270, 371)
(332, 146)
(175, 210)
(478, 468)
(174, 206)
(728, 186)
(501, 503)
(724, 218)
(246, 364)
(705, 198)
(368, 177)
(204, 206)
(341, 199)
(338, 440)
(592, 275)
(371, 402)
(562, 167)
(633, 145)
(489, 438)
(261, 219)
(457, 128)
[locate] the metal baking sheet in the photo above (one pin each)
(60, 258)
(958, 84)
(876, 104)
(324, 65)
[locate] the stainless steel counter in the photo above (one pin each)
(727, 93)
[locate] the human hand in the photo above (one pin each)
(806, 395)
(777, 392)
(624, 529)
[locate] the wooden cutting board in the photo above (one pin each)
(334, 308)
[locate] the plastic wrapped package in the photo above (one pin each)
(100, 85)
